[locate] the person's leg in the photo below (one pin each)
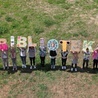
(51, 63)
(94, 63)
(83, 63)
(22, 60)
(30, 62)
(76, 67)
(54, 63)
(34, 61)
(72, 67)
(25, 60)
(87, 61)
(62, 63)
(43, 61)
(15, 64)
(4, 64)
(65, 63)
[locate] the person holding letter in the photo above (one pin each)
(42, 55)
(4, 55)
(23, 56)
(74, 60)
(53, 55)
(86, 58)
(13, 57)
(31, 53)
(64, 55)
(95, 58)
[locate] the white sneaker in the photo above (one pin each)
(25, 66)
(16, 68)
(7, 67)
(54, 67)
(22, 66)
(75, 69)
(13, 69)
(4, 67)
(34, 67)
(71, 69)
(62, 67)
(30, 67)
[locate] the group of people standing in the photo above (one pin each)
(42, 53)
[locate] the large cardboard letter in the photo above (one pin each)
(3, 44)
(30, 43)
(87, 44)
(63, 45)
(12, 41)
(75, 45)
(21, 41)
(42, 42)
(53, 44)
(3, 41)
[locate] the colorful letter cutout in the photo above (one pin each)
(75, 45)
(21, 41)
(87, 44)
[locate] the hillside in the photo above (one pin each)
(59, 19)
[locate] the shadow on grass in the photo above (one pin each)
(47, 68)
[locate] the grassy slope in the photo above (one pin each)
(59, 19)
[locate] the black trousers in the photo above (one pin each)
(32, 59)
(95, 63)
(42, 61)
(64, 62)
(52, 61)
(85, 62)
(73, 66)
(23, 59)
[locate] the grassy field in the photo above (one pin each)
(59, 19)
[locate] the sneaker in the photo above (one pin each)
(51, 66)
(75, 69)
(30, 67)
(22, 66)
(71, 69)
(16, 68)
(34, 67)
(25, 66)
(7, 67)
(62, 67)
(54, 67)
(4, 67)
(13, 69)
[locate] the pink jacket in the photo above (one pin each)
(95, 55)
